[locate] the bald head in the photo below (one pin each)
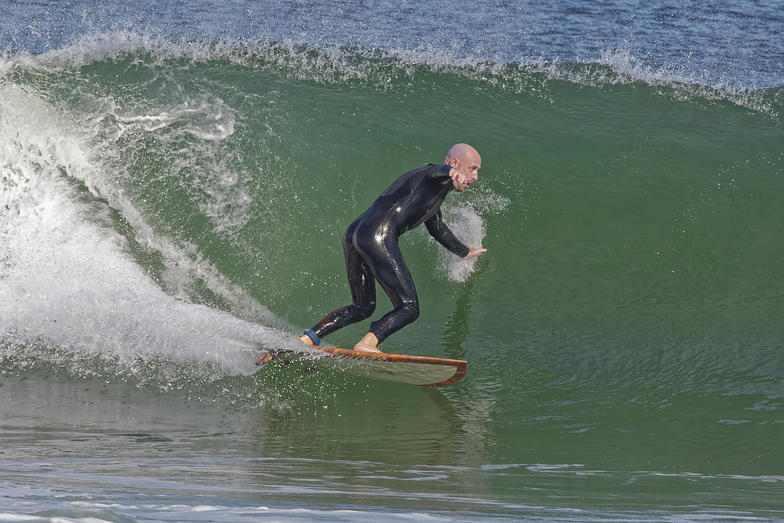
(462, 151)
(465, 162)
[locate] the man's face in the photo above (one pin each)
(468, 165)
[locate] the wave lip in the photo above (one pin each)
(69, 280)
(385, 67)
(739, 42)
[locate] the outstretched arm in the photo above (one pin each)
(443, 235)
(476, 251)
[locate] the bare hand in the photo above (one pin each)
(456, 175)
(472, 253)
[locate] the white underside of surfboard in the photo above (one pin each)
(402, 368)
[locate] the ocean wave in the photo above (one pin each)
(392, 67)
(70, 279)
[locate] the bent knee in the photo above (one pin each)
(365, 311)
(410, 310)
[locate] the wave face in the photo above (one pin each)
(173, 198)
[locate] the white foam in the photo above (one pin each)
(333, 63)
(469, 227)
(464, 218)
(208, 120)
(67, 278)
(623, 67)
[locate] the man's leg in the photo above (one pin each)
(393, 275)
(363, 294)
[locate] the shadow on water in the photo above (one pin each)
(458, 326)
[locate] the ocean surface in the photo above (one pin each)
(175, 179)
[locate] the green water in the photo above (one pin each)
(623, 329)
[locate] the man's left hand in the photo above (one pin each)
(472, 253)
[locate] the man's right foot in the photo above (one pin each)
(367, 349)
(306, 340)
(367, 344)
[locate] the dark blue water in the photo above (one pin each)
(716, 43)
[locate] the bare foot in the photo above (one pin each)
(367, 349)
(367, 344)
(266, 358)
(306, 340)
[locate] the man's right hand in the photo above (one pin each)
(455, 174)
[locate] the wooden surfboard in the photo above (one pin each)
(403, 368)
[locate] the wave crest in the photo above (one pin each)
(388, 68)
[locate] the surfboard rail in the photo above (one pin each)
(461, 366)
(425, 371)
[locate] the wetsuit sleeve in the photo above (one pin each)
(438, 230)
(439, 173)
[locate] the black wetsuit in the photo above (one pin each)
(372, 252)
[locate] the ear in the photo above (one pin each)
(453, 162)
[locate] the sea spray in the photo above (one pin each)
(68, 279)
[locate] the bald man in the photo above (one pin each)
(372, 252)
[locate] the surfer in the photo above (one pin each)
(372, 252)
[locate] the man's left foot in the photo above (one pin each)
(266, 358)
